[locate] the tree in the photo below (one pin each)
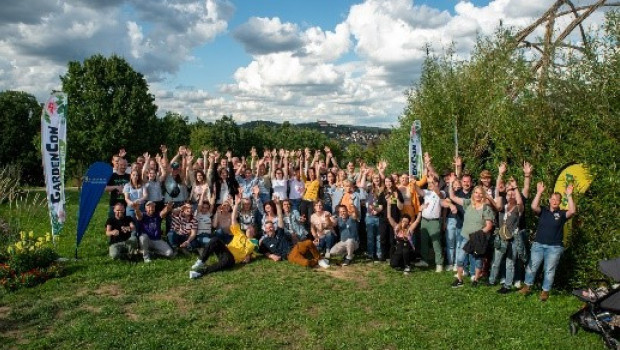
(174, 131)
(503, 115)
(109, 108)
(20, 118)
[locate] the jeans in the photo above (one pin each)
(550, 255)
(225, 259)
(452, 232)
(295, 203)
(503, 249)
(462, 256)
(373, 239)
(175, 239)
(326, 243)
(158, 246)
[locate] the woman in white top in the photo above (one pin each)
(279, 177)
(134, 192)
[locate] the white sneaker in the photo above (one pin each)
(439, 268)
(147, 260)
(194, 274)
(447, 268)
(421, 263)
(502, 281)
(518, 284)
(407, 270)
(455, 268)
(472, 278)
(197, 264)
(324, 263)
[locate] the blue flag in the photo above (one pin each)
(93, 185)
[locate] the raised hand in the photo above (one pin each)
(122, 153)
(540, 187)
(458, 161)
(427, 158)
(502, 168)
(163, 149)
(527, 169)
(569, 190)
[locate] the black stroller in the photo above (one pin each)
(601, 313)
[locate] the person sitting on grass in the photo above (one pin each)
(277, 245)
(204, 214)
(150, 230)
(184, 229)
(403, 235)
(294, 224)
(349, 238)
(321, 226)
(239, 250)
(548, 244)
(121, 233)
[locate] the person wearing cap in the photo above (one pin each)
(485, 181)
(149, 224)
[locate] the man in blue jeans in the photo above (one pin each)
(548, 246)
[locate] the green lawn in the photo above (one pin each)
(111, 305)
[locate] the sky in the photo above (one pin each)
(343, 61)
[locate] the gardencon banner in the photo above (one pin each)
(54, 149)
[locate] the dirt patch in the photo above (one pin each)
(174, 296)
(4, 312)
(18, 335)
(357, 274)
(110, 290)
(92, 309)
(130, 314)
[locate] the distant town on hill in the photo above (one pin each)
(362, 135)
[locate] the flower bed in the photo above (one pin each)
(28, 263)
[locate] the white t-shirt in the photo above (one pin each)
(279, 188)
(204, 223)
(433, 209)
(297, 189)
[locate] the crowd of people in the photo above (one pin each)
(301, 206)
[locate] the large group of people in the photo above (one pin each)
(301, 206)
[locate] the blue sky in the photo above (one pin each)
(348, 62)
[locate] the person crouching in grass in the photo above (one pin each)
(150, 230)
(121, 233)
(238, 250)
(403, 234)
(349, 239)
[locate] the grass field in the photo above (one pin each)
(103, 304)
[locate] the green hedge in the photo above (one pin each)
(506, 112)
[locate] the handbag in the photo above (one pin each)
(504, 233)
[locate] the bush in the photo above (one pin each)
(505, 113)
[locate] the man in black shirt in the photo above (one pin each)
(115, 186)
(121, 233)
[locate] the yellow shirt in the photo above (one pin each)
(240, 246)
(312, 191)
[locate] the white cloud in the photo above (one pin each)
(353, 72)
